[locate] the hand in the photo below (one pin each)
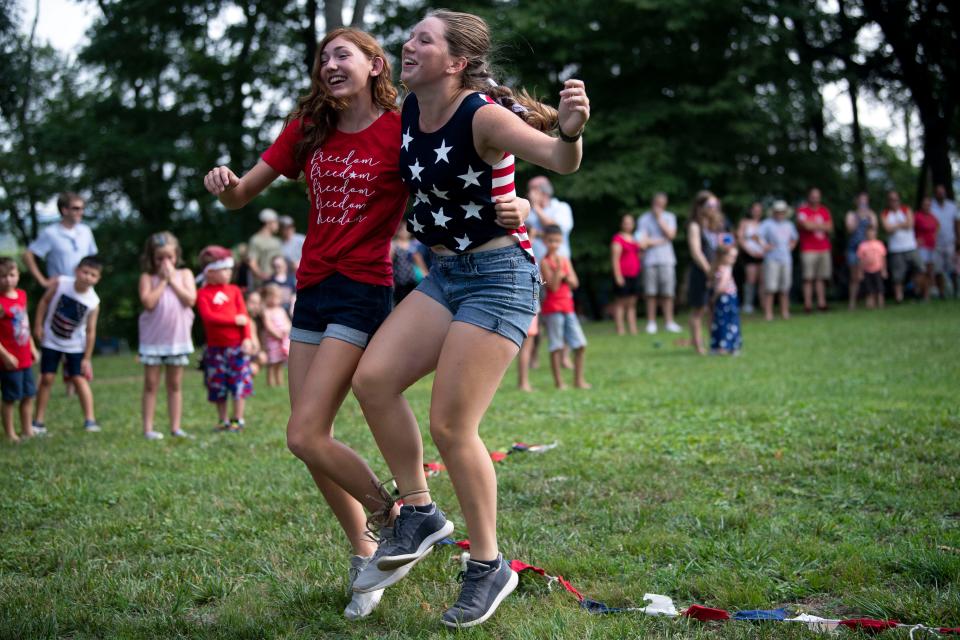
(574, 107)
(10, 361)
(38, 332)
(220, 179)
(241, 320)
(619, 280)
(511, 211)
(247, 347)
(86, 368)
(34, 352)
(166, 270)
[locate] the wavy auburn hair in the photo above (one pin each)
(468, 36)
(318, 111)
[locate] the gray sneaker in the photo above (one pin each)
(361, 604)
(413, 533)
(484, 588)
(408, 541)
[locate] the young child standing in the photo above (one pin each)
(873, 258)
(226, 362)
(66, 328)
(285, 282)
(17, 352)
(725, 337)
(563, 327)
(276, 329)
(168, 293)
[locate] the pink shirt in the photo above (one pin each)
(871, 254)
(629, 256)
(165, 329)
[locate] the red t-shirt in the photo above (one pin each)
(813, 241)
(15, 328)
(629, 256)
(561, 300)
(925, 225)
(356, 200)
(219, 305)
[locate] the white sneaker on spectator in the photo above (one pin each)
(651, 328)
(673, 327)
(153, 435)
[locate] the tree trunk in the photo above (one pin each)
(359, 9)
(858, 161)
(310, 36)
(332, 14)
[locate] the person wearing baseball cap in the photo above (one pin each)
(779, 237)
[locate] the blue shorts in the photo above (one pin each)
(496, 290)
(50, 361)
(340, 308)
(564, 329)
(17, 385)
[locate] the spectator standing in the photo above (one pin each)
(898, 222)
(655, 232)
(873, 256)
(625, 264)
(779, 238)
(281, 276)
(925, 226)
(725, 336)
(857, 222)
(17, 353)
(816, 227)
(61, 246)
(292, 242)
(703, 233)
(748, 239)
(559, 317)
(548, 211)
(947, 240)
(264, 246)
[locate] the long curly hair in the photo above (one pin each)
(709, 219)
(468, 36)
(318, 111)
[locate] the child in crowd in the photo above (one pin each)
(563, 327)
(285, 282)
(409, 267)
(779, 237)
(925, 227)
(66, 328)
(17, 352)
(276, 329)
(226, 361)
(258, 357)
(725, 337)
(168, 292)
(873, 258)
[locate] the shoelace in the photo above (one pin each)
(470, 585)
(378, 520)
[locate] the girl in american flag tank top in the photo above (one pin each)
(466, 320)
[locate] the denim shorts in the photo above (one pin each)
(564, 329)
(17, 385)
(340, 308)
(496, 290)
(50, 361)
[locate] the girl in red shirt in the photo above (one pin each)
(344, 138)
(925, 226)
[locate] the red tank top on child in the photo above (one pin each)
(561, 300)
(15, 328)
(356, 200)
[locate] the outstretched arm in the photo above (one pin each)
(236, 192)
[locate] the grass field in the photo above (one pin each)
(819, 470)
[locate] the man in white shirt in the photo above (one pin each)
(545, 210)
(63, 245)
(947, 235)
(656, 230)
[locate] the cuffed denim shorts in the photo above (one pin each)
(340, 308)
(496, 290)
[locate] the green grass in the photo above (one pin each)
(818, 470)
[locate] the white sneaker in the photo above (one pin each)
(673, 327)
(362, 604)
(153, 435)
(651, 328)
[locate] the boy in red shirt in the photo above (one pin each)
(226, 359)
(562, 324)
(873, 258)
(17, 352)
